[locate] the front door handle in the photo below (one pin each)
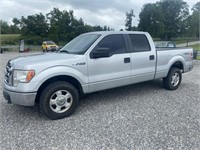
(127, 60)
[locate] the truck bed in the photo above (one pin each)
(165, 59)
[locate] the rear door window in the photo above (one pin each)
(139, 43)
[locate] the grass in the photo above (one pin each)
(14, 39)
(196, 47)
(9, 39)
(181, 41)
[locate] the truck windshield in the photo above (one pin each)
(80, 44)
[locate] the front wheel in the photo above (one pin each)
(173, 79)
(59, 100)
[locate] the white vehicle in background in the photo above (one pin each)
(164, 44)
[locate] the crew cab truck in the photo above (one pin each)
(91, 62)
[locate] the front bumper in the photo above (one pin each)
(23, 99)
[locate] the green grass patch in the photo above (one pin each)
(9, 39)
(195, 47)
(198, 57)
(181, 41)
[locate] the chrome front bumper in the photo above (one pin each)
(23, 99)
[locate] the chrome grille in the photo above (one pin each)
(8, 73)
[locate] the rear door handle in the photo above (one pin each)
(151, 57)
(127, 60)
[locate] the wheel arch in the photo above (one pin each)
(65, 78)
(177, 64)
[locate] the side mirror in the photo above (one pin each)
(100, 53)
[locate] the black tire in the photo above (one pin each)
(50, 95)
(173, 79)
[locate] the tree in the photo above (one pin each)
(33, 28)
(5, 29)
(196, 7)
(16, 22)
(8, 29)
(194, 21)
(63, 25)
(129, 19)
(58, 25)
(15, 28)
(151, 19)
(34, 25)
(59, 22)
(166, 18)
(175, 14)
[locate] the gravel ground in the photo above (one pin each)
(141, 116)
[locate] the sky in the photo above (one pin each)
(93, 12)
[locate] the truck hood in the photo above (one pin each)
(47, 59)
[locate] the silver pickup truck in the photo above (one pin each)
(91, 62)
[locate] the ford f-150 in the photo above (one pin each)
(91, 62)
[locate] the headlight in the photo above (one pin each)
(22, 76)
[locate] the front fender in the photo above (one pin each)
(46, 74)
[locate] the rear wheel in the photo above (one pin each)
(59, 100)
(173, 79)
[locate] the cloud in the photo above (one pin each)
(94, 5)
(110, 13)
(15, 8)
(110, 17)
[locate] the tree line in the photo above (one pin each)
(58, 26)
(167, 19)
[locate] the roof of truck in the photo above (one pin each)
(117, 32)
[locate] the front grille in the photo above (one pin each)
(8, 73)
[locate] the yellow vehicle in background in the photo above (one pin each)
(49, 46)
